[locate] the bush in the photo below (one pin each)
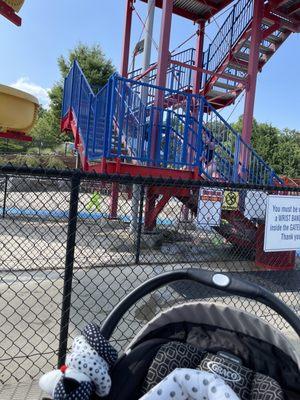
(54, 162)
(30, 161)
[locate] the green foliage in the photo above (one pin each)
(96, 67)
(279, 149)
(12, 146)
(33, 161)
(54, 162)
(46, 131)
(30, 161)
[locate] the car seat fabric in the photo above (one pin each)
(190, 384)
(247, 384)
(169, 357)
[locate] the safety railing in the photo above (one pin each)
(151, 125)
(228, 157)
(178, 77)
(229, 33)
(138, 109)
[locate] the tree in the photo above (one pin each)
(96, 67)
(279, 149)
(46, 132)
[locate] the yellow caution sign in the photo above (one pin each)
(230, 200)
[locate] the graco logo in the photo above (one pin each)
(224, 371)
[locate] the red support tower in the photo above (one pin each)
(253, 68)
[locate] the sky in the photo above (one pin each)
(52, 27)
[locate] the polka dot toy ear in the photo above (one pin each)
(70, 389)
(97, 341)
(93, 367)
(86, 371)
(65, 377)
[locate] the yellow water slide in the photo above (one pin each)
(18, 110)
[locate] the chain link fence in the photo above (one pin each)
(65, 262)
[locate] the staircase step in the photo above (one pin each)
(224, 85)
(274, 39)
(241, 56)
(239, 67)
(216, 93)
(262, 49)
(269, 22)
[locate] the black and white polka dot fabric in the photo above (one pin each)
(64, 391)
(190, 384)
(86, 360)
(96, 340)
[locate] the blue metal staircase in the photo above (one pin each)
(115, 124)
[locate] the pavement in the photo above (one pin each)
(32, 261)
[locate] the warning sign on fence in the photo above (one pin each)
(282, 229)
(231, 200)
(209, 207)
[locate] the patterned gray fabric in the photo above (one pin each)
(244, 382)
(265, 388)
(169, 357)
(237, 377)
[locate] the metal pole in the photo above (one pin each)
(77, 159)
(144, 99)
(162, 69)
(140, 224)
(5, 197)
(69, 264)
(256, 36)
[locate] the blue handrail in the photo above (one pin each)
(119, 120)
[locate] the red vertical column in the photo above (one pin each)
(126, 38)
(162, 67)
(256, 36)
(199, 58)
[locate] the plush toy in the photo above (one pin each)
(86, 371)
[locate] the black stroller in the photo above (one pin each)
(256, 360)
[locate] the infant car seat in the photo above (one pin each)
(257, 361)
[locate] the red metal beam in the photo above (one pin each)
(126, 38)
(9, 13)
(256, 36)
(20, 136)
(206, 71)
(294, 8)
(270, 30)
(152, 210)
(199, 58)
(222, 5)
(109, 167)
(214, 9)
(293, 25)
(177, 10)
(276, 3)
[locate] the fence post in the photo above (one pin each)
(69, 264)
(199, 145)
(140, 224)
(5, 197)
